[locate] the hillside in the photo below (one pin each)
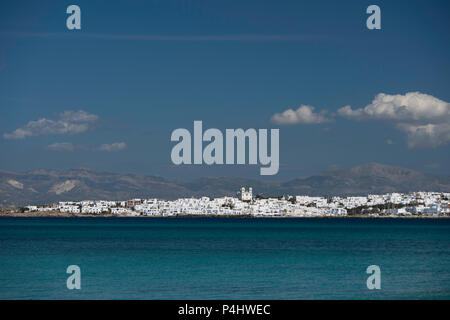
(47, 186)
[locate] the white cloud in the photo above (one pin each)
(303, 115)
(68, 122)
(61, 146)
(117, 146)
(424, 118)
(349, 113)
(78, 116)
(68, 146)
(427, 135)
(413, 106)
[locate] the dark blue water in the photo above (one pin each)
(231, 258)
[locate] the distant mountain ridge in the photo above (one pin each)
(48, 186)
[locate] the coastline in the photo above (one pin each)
(55, 214)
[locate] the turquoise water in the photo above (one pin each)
(230, 258)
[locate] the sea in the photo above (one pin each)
(224, 258)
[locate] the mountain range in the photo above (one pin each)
(49, 186)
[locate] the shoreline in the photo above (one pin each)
(109, 215)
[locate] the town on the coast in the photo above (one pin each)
(426, 204)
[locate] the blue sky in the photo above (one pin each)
(140, 69)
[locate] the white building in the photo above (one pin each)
(246, 195)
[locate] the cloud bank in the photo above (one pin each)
(68, 122)
(303, 115)
(423, 118)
